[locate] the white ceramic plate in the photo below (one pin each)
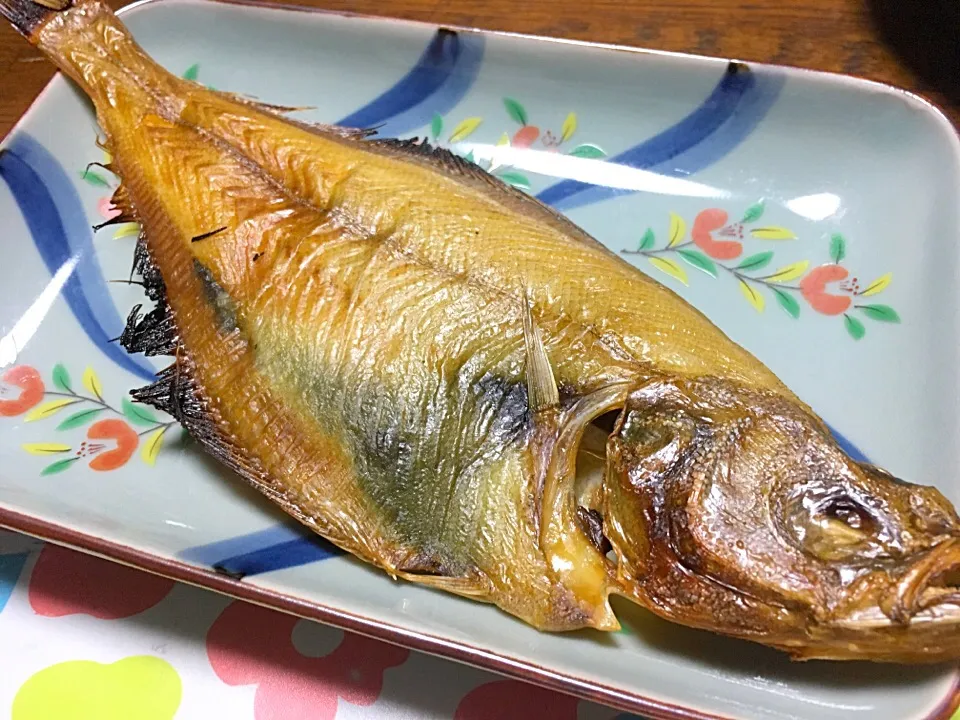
(815, 220)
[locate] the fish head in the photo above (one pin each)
(736, 511)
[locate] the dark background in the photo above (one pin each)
(913, 44)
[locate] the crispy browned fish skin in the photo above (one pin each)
(373, 332)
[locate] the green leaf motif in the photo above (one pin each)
(469, 157)
(137, 414)
(699, 261)
(515, 110)
(838, 248)
(883, 313)
(788, 302)
(646, 242)
(854, 327)
(755, 262)
(61, 378)
(518, 180)
(94, 178)
(80, 418)
(192, 72)
(436, 125)
(753, 213)
(58, 466)
(589, 151)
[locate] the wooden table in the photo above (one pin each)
(913, 44)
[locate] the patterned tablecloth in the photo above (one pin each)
(83, 638)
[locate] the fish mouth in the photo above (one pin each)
(915, 620)
(929, 590)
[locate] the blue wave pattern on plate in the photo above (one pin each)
(275, 548)
(438, 82)
(10, 567)
(709, 133)
(58, 225)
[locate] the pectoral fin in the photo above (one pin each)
(541, 385)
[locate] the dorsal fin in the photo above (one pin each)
(440, 157)
(443, 160)
(282, 111)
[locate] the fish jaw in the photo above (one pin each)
(913, 617)
(733, 511)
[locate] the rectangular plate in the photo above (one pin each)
(799, 169)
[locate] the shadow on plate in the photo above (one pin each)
(772, 666)
(242, 491)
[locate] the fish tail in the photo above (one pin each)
(27, 16)
(91, 46)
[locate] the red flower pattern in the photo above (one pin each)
(31, 390)
(814, 290)
(720, 243)
(119, 431)
(705, 224)
(107, 209)
(525, 136)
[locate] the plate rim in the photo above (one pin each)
(437, 645)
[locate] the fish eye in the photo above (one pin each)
(849, 511)
(834, 527)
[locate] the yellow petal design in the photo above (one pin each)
(465, 128)
(670, 267)
(753, 296)
(151, 448)
(49, 408)
(878, 285)
(789, 272)
(569, 127)
(678, 229)
(92, 383)
(772, 233)
(45, 448)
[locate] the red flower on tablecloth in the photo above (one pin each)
(249, 645)
(31, 389)
(513, 700)
(65, 582)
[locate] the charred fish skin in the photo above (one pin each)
(374, 333)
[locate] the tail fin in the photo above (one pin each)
(28, 15)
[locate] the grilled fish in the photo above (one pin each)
(375, 334)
